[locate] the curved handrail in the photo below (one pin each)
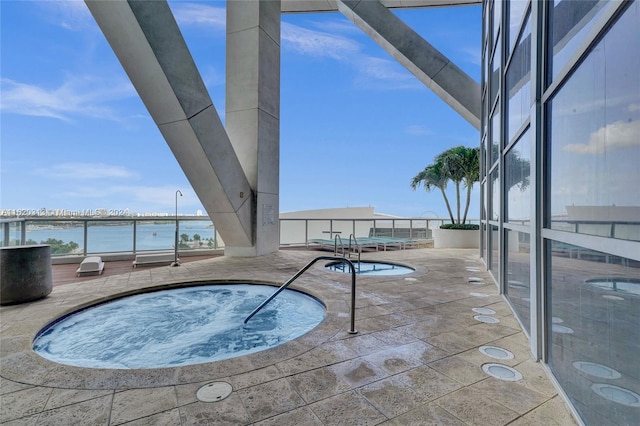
(335, 245)
(355, 241)
(352, 330)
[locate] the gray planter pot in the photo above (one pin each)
(456, 238)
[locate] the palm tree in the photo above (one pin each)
(459, 164)
(471, 167)
(434, 176)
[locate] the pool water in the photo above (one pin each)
(370, 268)
(182, 326)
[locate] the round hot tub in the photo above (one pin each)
(180, 326)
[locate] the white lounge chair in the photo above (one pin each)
(91, 265)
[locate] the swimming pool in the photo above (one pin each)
(181, 326)
(371, 268)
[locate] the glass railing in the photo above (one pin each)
(86, 236)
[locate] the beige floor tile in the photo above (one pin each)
(475, 408)
(92, 412)
(270, 399)
(459, 370)
(166, 418)
(402, 392)
(229, 411)
(347, 409)
(23, 403)
(318, 384)
(136, 403)
(426, 415)
(510, 394)
(552, 413)
(298, 417)
(62, 397)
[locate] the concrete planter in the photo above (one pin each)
(456, 238)
(25, 274)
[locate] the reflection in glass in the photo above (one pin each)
(495, 137)
(596, 295)
(519, 84)
(495, 194)
(516, 11)
(497, 13)
(570, 21)
(494, 235)
(518, 266)
(594, 144)
(517, 166)
(495, 75)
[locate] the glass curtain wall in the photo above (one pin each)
(561, 190)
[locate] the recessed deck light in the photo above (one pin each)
(502, 372)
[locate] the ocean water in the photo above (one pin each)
(118, 238)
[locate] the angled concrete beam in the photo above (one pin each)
(146, 39)
(431, 67)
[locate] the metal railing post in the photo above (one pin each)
(85, 237)
(135, 237)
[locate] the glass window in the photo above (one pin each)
(594, 144)
(517, 165)
(519, 84)
(494, 234)
(483, 153)
(569, 23)
(494, 79)
(594, 332)
(495, 194)
(497, 13)
(494, 155)
(518, 266)
(517, 9)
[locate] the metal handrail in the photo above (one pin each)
(352, 330)
(335, 245)
(355, 242)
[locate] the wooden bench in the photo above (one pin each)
(153, 259)
(91, 265)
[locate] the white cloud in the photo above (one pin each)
(317, 43)
(71, 15)
(473, 55)
(379, 73)
(140, 198)
(86, 171)
(200, 14)
(621, 134)
(633, 107)
(79, 95)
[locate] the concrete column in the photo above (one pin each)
(253, 111)
(417, 55)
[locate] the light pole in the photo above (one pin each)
(175, 260)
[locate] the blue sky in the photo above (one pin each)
(355, 125)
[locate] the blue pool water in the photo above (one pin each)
(370, 268)
(177, 327)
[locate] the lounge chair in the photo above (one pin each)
(91, 266)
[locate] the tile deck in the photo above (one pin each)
(414, 360)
